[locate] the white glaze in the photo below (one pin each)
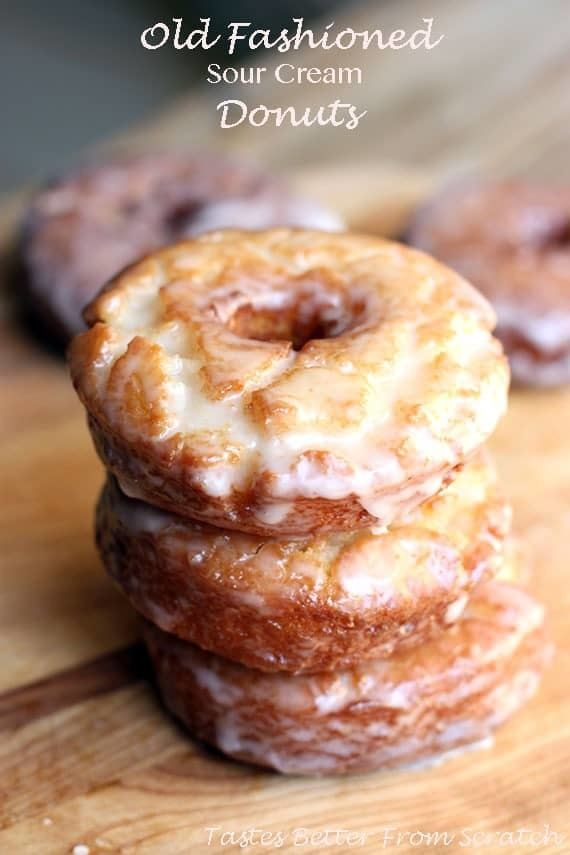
(455, 609)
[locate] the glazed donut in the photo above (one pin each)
(312, 604)
(511, 239)
(91, 223)
(286, 382)
(435, 698)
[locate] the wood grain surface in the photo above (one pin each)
(87, 756)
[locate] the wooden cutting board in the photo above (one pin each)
(87, 756)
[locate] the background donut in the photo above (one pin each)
(86, 226)
(510, 239)
(438, 697)
(312, 604)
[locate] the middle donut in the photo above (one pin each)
(311, 604)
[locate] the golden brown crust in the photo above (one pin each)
(435, 698)
(388, 380)
(314, 604)
(94, 221)
(511, 239)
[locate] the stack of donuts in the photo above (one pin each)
(298, 499)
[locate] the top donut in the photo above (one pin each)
(289, 381)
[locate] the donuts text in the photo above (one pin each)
(234, 112)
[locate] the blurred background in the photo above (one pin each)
(494, 95)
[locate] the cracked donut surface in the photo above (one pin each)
(416, 707)
(289, 381)
(315, 603)
(511, 239)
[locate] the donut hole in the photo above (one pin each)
(179, 218)
(559, 236)
(298, 317)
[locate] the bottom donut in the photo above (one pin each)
(439, 697)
